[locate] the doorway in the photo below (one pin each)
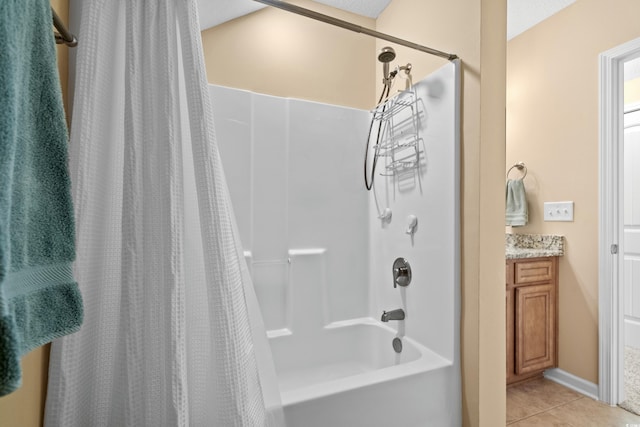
(630, 279)
(619, 243)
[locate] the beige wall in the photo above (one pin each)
(278, 53)
(552, 125)
(258, 53)
(25, 406)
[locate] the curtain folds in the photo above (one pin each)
(172, 333)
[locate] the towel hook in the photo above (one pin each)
(520, 166)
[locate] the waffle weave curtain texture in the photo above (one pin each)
(172, 333)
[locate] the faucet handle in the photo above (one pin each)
(401, 272)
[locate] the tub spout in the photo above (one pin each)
(392, 315)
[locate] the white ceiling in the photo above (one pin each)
(521, 14)
(368, 8)
(215, 12)
(524, 14)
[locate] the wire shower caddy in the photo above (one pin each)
(398, 119)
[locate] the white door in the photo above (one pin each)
(631, 245)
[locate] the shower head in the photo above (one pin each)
(386, 55)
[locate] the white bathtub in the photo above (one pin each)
(348, 375)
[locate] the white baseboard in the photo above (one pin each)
(573, 382)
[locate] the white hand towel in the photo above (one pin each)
(517, 214)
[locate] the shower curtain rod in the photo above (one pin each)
(63, 35)
(353, 27)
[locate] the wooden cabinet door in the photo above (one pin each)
(535, 328)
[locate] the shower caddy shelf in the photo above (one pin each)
(400, 141)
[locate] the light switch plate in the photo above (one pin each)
(558, 211)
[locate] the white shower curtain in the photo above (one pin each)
(172, 334)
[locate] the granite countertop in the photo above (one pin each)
(533, 245)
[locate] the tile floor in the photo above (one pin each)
(542, 402)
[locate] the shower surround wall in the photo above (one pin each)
(292, 172)
(321, 259)
(430, 193)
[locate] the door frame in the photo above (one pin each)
(610, 303)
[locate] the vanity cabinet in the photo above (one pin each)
(532, 317)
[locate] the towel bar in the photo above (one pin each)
(63, 36)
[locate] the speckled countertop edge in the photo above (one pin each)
(533, 245)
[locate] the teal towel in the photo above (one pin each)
(517, 214)
(39, 299)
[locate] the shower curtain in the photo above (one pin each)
(172, 333)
